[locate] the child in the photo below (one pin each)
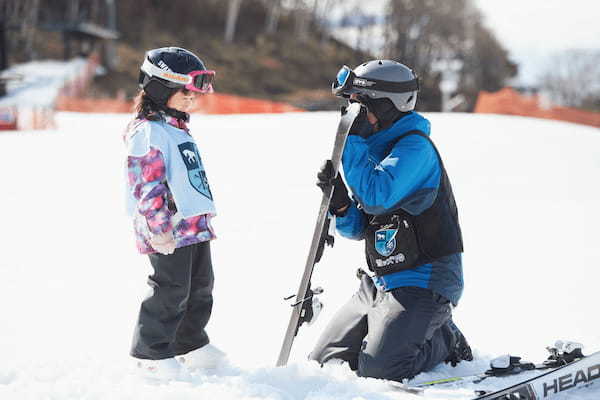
(171, 205)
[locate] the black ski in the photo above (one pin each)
(304, 296)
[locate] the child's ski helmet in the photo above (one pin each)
(168, 69)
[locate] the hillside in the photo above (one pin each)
(277, 66)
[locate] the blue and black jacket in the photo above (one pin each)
(404, 208)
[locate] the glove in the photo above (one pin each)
(361, 125)
(339, 198)
(164, 243)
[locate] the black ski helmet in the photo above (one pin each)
(168, 69)
(379, 79)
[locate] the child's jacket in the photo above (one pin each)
(167, 187)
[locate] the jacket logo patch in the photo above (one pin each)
(193, 163)
(190, 155)
(385, 241)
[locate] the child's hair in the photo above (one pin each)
(146, 108)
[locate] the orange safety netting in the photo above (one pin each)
(219, 103)
(509, 101)
(216, 103)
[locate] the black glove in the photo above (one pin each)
(361, 125)
(339, 198)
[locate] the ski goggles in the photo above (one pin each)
(346, 83)
(342, 85)
(197, 81)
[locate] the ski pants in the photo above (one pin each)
(173, 316)
(388, 335)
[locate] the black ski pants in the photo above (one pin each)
(172, 319)
(388, 335)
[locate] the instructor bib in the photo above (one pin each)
(398, 241)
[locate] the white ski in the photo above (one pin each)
(305, 294)
(578, 374)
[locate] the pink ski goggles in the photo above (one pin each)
(197, 81)
(201, 81)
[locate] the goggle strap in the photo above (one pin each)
(386, 86)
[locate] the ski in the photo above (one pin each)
(302, 306)
(503, 366)
(499, 367)
(580, 373)
(562, 354)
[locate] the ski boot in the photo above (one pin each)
(164, 370)
(205, 358)
(460, 350)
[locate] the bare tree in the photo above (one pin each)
(3, 41)
(301, 20)
(29, 24)
(430, 35)
(305, 14)
(19, 23)
(73, 13)
(110, 48)
(321, 12)
(572, 78)
(273, 14)
(233, 11)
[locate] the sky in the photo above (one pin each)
(532, 30)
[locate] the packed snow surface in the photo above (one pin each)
(38, 83)
(72, 282)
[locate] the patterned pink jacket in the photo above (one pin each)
(156, 211)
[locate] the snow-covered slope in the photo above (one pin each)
(38, 83)
(71, 281)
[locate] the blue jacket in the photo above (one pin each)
(405, 176)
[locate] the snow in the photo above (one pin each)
(38, 83)
(72, 281)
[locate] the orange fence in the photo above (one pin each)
(8, 118)
(216, 103)
(219, 103)
(509, 101)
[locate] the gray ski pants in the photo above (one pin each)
(388, 335)
(172, 318)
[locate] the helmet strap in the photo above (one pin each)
(185, 117)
